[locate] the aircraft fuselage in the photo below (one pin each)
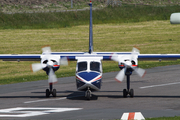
(89, 75)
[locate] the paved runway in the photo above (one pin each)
(156, 95)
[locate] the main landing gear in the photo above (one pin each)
(128, 91)
(50, 91)
(88, 94)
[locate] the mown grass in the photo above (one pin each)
(124, 14)
(26, 33)
(150, 37)
(165, 118)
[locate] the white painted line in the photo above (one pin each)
(29, 111)
(159, 85)
(45, 100)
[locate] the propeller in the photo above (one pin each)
(49, 61)
(128, 63)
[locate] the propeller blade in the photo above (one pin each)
(64, 61)
(46, 49)
(135, 49)
(115, 57)
(52, 77)
(141, 72)
(36, 67)
(120, 76)
(134, 53)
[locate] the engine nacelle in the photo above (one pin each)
(133, 63)
(52, 61)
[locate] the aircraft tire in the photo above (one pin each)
(124, 93)
(131, 93)
(54, 92)
(47, 93)
(88, 94)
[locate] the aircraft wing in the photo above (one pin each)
(158, 56)
(37, 57)
(141, 57)
(145, 57)
(20, 57)
(74, 55)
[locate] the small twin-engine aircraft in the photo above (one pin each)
(89, 65)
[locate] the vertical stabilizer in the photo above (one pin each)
(90, 30)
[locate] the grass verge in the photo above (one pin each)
(165, 118)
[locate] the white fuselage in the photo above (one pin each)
(89, 74)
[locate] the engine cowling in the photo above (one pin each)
(133, 63)
(52, 61)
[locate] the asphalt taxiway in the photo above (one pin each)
(156, 95)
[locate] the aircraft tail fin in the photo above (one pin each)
(90, 30)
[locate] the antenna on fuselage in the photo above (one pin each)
(90, 30)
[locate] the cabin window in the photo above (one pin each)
(95, 66)
(82, 66)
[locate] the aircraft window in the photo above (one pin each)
(95, 66)
(82, 66)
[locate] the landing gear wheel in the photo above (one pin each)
(88, 94)
(131, 93)
(47, 93)
(54, 92)
(124, 93)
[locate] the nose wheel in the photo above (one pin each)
(88, 94)
(50, 91)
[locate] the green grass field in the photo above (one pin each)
(150, 37)
(115, 29)
(164, 118)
